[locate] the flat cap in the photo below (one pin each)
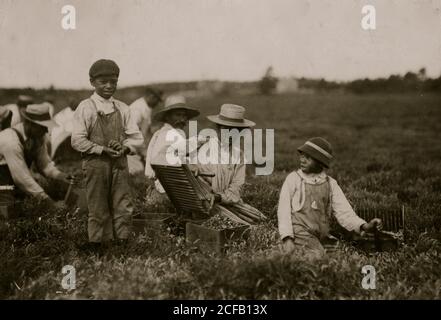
(103, 67)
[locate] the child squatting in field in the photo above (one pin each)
(105, 134)
(308, 199)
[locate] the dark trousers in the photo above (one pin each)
(108, 198)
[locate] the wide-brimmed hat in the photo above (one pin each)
(39, 114)
(175, 102)
(231, 115)
(23, 100)
(318, 149)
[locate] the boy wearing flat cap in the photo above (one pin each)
(105, 134)
(308, 199)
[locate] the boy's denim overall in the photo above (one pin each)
(106, 179)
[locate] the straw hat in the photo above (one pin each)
(25, 98)
(232, 115)
(39, 114)
(175, 102)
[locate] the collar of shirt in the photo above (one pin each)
(104, 105)
(167, 127)
(229, 154)
(159, 139)
(313, 178)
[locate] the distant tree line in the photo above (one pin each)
(410, 82)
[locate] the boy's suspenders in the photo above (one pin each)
(98, 114)
(6, 177)
(27, 156)
(329, 205)
(19, 135)
(113, 102)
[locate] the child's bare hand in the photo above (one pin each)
(374, 224)
(288, 245)
(111, 152)
(115, 145)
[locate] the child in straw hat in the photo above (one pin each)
(308, 199)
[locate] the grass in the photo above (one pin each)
(387, 154)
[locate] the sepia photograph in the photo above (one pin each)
(241, 152)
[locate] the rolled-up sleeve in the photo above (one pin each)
(148, 157)
(284, 209)
(13, 155)
(83, 120)
(134, 137)
(343, 211)
(44, 164)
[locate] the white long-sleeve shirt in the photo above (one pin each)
(86, 116)
(292, 198)
(16, 117)
(228, 168)
(160, 144)
(168, 146)
(141, 114)
(11, 153)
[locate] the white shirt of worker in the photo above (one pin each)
(11, 153)
(228, 168)
(167, 144)
(157, 151)
(86, 116)
(16, 118)
(292, 198)
(141, 114)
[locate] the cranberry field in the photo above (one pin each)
(388, 154)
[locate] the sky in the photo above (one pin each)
(181, 40)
